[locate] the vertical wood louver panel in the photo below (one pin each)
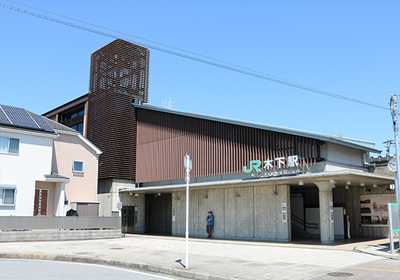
(118, 74)
(215, 148)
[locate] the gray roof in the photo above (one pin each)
(353, 143)
(59, 127)
(55, 176)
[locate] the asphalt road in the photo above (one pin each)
(387, 269)
(52, 270)
(227, 259)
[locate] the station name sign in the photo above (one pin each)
(285, 166)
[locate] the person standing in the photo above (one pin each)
(210, 223)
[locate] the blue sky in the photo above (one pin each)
(348, 48)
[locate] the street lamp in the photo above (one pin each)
(188, 167)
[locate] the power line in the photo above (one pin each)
(161, 44)
(237, 69)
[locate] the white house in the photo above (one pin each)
(26, 148)
(32, 156)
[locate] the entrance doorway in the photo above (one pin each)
(41, 202)
(158, 214)
(305, 214)
(303, 200)
(129, 217)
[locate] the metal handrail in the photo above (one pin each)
(304, 223)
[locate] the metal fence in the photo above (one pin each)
(60, 223)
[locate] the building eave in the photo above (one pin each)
(83, 139)
(308, 179)
(66, 106)
(24, 131)
(57, 180)
(90, 144)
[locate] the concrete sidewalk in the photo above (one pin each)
(208, 258)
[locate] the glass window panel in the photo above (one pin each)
(80, 127)
(1, 196)
(3, 144)
(8, 196)
(78, 166)
(14, 146)
(74, 115)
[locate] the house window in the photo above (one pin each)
(7, 195)
(77, 166)
(9, 145)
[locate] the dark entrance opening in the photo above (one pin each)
(305, 212)
(128, 219)
(158, 214)
(304, 205)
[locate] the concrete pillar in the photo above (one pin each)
(59, 197)
(326, 225)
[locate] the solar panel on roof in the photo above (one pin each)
(19, 117)
(15, 116)
(3, 117)
(41, 122)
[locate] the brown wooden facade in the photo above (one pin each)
(216, 148)
(118, 76)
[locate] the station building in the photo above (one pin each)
(262, 182)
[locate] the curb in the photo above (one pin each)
(129, 265)
(387, 255)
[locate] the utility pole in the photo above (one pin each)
(393, 109)
(388, 144)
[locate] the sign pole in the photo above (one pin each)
(390, 216)
(393, 108)
(187, 221)
(188, 167)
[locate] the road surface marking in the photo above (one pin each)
(375, 269)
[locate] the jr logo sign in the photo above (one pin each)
(254, 164)
(272, 168)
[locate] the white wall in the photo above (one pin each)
(32, 163)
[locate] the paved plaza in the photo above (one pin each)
(209, 258)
